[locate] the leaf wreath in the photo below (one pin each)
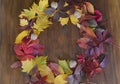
(93, 39)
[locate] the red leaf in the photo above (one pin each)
(27, 57)
(82, 42)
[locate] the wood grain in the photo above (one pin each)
(60, 41)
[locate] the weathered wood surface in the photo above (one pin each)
(60, 42)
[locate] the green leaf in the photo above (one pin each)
(65, 66)
(40, 61)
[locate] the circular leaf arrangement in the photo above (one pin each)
(34, 64)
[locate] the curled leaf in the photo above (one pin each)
(21, 36)
(60, 79)
(46, 71)
(89, 7)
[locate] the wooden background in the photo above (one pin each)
(59, 42)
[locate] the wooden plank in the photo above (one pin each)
(60, 41)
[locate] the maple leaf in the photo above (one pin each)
(65, 66)
(41, 23)
(21, 36)
(60, 79)
(29, 13)
(43, 4)
(27, 65)
(40, 61)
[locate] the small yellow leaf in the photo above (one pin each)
(43, 4)
(21, 36)
(60, 79)
(64, 21)
(23, 22)
(27, 65)
(73, 19)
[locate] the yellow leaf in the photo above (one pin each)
(73, 19)
(21, 36)
(29, 13)
(43, 4)
(23, 22)
(42, 23)
(27, 65)
(64, 21)
(46, 71)
(60, 79)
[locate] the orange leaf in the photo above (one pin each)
(90, 32)
(89, 7)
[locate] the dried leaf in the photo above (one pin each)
(56, 68)
(60, 79)
(90, 7)
(90, 32)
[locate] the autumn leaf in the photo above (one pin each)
(43, 4)
(23, 22)
(46, 71)
(21, 36)
(40, 61)
(90, 32)
(42, 23)
(29, 13)
(60, 79)
(89, 7)
(27, 65)
(65, 66)
(73, 19)
(64, 21)
(56, 69)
